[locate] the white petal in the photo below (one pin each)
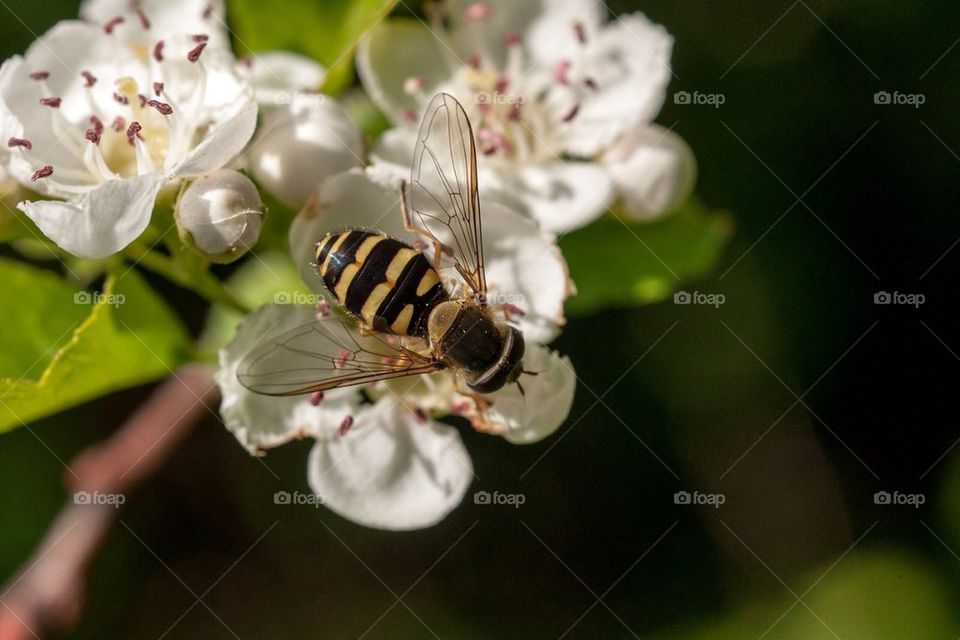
(165, 17)
(301, 145)
(551, 36)
(355, 198)
(630, 62)
(654, 171)
(394, 151)
(394, 51)
(391, 471)
(260, 422)
(223, 142)
(278, 75)
(103, 221)
(544, 405)
(525, 269)
(561, 196)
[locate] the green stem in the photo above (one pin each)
(200, 282)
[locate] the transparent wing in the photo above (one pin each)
(324, 354)
(442, 194)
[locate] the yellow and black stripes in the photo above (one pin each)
(387, 283)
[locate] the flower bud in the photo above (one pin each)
(654, 171)
(303, 143)
(220, 215)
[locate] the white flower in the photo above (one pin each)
(97, 119)
(302, 143)
(549, 86)
(141, 23)
(397, 467)
(280, 77)
(220, 214)
(654, 170)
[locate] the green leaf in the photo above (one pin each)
(327, 30)
(60, 347)
(615, 262)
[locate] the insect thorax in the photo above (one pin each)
(389, 285)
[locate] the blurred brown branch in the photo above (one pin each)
(47, 594)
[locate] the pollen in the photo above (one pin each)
(19, 142)
(43, 172)
(133, 131)
(162, 107)
(111, 24)
(194, 54)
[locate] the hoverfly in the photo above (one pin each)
(401, 319)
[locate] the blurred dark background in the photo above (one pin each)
(712, 408)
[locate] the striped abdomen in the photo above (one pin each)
(387, 283)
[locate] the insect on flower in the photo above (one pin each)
(402, 320)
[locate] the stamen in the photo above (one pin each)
(345, 426)
(420, 415)
(42, 173)
(119, 98)
(111, 24)
(158, 51)
(413, 85)
(143, 99)
(420, 245)
(200, 37)
(478, 11)
(572, 113)
(323, 308)
(39, 75)
(474, 61)
(50, 102)
(158, 88)
(316, 397)
(513, 309)
(580, 31)
(88, 79)
(19, 142)
(144, 21)
(207, 12)
(560, 71)
(591, 84)
(502, 83)
(133, 131)
(446, 250)
(511, 39)
(410, 116)
(97, 123)
(92, 135)
(194, 54)
(118, 124)
(459, 407)
(341, 359)
(162, 107)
